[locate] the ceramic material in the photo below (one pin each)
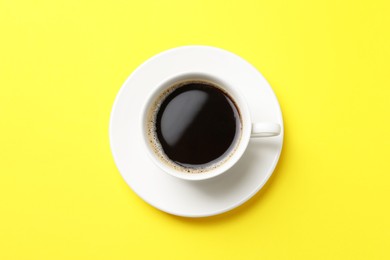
(263, 129)
(182, 197)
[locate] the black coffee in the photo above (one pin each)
(197, 125)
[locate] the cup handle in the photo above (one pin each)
(265, 129)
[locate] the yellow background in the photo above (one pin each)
(62, 64)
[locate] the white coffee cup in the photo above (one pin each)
(249, 129)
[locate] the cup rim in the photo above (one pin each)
(245, 122)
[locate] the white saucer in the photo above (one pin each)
(194, 198)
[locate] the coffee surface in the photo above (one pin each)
(197, 124)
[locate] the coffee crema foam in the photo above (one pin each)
(156, 145)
